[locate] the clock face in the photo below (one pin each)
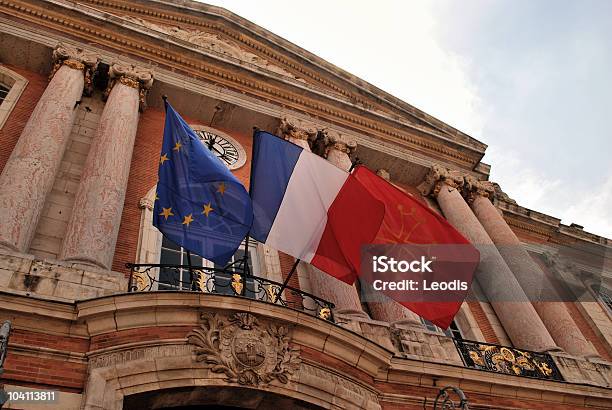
(222, 146)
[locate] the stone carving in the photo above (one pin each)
(212, 42)
(297, 128)
(330, 382)
(501, 195)
(384, 174)
(424, 344)
(436, 176)
(474, 188)
(76, 58)
(247, 352)
(144, 353)
(132, 76)
(339, 141)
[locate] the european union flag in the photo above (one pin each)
(199, 204)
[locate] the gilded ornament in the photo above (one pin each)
(237, 284)
(324, 313)
(140, 281)
(77, 59)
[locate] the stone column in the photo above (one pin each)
(344, 297)
(534, 282)
(30, 172)
(516, 314)
(384, 308)
(94, 224)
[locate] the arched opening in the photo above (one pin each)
(213, 397)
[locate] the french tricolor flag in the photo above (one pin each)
(310, 209)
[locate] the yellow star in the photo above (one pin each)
(188, 219)
(207, 209)
(166, 212)
(222, 188)
(163, 159)
(156, 197)
(177, 146)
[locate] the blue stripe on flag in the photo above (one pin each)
(273, 162)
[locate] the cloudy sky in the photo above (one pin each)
(532, 79)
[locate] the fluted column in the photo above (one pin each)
(516, 314)
(532, 279)
(94, 224)
(30, 172)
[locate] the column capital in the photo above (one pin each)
(146, 203)
(132, 76)
(436, 177)
(296, 128)
(384, 174)
(338, 141)
(75, 58)
(474, 188)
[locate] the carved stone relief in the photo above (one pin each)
(212, 42)
(246, 351)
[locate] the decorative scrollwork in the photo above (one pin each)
(232, 280)
(444, 399)
(244, 350)
(500, 359)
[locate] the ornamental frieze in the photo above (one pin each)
(212, 42)
(246, 351)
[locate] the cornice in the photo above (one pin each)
(183, 81)
(215, 70)
(547, 226)
(263, 38)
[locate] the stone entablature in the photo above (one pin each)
(531, 220)
(117, 34)
(141, 342)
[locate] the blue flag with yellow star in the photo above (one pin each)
(199, 204)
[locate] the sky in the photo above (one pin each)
(531, 79)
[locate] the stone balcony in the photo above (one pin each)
(130, 327)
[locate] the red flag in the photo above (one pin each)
(408, 221)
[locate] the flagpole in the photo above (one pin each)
(246, 269)
(286, 282)
(191, 281)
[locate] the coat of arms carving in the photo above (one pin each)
(247, 352)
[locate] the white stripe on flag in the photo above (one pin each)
(301, 219)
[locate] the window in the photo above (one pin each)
(452, 331)
(11, 87)
(604, 296)
(4, 90)
(173, 279)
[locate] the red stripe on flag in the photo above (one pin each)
(353, 219)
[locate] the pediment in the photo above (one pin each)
(214, 43)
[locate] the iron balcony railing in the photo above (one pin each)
(232, 280)
(507, 360)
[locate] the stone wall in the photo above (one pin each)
(29, 275)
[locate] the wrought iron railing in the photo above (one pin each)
(233, 280)
(507, 360)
